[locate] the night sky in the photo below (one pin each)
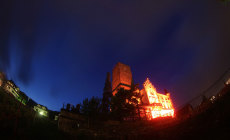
(58, 51)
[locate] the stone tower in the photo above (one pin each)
(121, 78)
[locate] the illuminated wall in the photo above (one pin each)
(42, 110)
(159, 104)
(121, 77)
(10, 87)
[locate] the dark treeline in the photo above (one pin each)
(123, 104)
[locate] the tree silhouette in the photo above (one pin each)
(124, 104)
(77, 109)
(91, 108)
(68, 107)
(107, 94)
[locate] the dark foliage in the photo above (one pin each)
(107, 94)
(31, 103)
(124, 104)
(91, 107)
(18, 121)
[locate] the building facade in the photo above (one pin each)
(159, 104)
(153, 104)
(70, 122)
(42, 110)
(11, 88)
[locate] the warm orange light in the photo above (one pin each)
(161, 105)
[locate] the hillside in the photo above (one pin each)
(212, 123)
(22, 122)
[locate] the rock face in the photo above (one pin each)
(121, 78)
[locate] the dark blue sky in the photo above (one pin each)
(59, 51)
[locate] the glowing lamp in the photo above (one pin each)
(41, 113)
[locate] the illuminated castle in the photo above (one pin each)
(153, 104)
(159, 104)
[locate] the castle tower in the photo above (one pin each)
(121, 77)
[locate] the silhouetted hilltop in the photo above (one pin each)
(22, 122)
(211, 122)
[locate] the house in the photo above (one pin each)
(11, 88)
(42, 110)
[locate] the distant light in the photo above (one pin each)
(41, 113)
(212, 99)
(228, 82)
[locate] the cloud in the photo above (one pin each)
(4, 35)
(206, 32)
(21, 27)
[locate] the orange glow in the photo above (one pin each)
(160, 104)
